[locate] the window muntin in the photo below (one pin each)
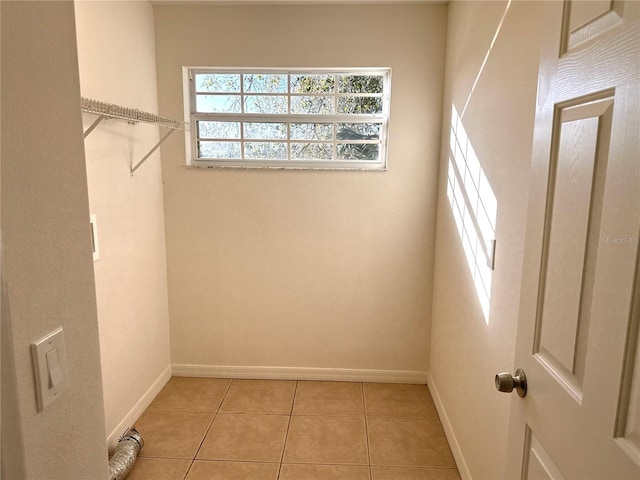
(288, 118)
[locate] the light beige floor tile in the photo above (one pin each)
(398, 400)
(414, 473)
(324, 472)
(208, 470)
(245, 437)
(328, 398)
(159, 469)
(259, 396)
(326, 440)
(191, 394)
(172, 434)
(408, 442)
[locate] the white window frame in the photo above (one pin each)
(190, 114)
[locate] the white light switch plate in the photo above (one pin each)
(491, 256)
(50, 366)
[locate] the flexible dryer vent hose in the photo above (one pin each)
(124, 455)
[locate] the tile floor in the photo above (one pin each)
(215, 429)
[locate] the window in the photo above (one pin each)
(288, 118)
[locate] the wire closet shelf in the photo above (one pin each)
(106, 110)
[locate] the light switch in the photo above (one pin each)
(53, 367)
(50, 366)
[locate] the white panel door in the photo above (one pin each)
(580, 306)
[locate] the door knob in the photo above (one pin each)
(505, 382)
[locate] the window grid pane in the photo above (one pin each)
(226, 104)
(355, 141)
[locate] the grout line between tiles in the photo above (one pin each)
(188, 470)
(417, 467)
(334, 464)
(406, 417)
(184, 410)
(344, 415)
(215, 415)
(158, 457)
(286, 436)
(366, 430)
(219, 460)
(259, 414)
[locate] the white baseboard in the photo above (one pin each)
(132, 417)
(301, 373)
(448, 430)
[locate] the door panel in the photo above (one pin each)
(538, 464)
(571, 237)
(585, 13)
(587, 19)
(577, 330)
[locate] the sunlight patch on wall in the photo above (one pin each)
(474, 207)
(486, 58)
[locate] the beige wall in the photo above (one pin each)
(499, 123)
(47, 272)
(296, 269)
(116, 51)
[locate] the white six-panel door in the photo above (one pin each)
(580, 306)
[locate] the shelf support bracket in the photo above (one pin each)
(137, 165)
(94, 125)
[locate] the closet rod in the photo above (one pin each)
(106, 110)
